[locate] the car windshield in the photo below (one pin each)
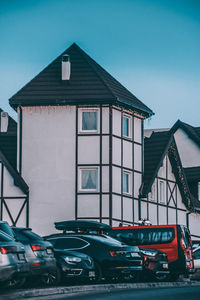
(27, 235)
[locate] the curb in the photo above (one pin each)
(35, 292)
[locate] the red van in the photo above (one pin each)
(174, 240)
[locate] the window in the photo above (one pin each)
(89, 120)
(161, 192)
(148, 236)
(70, 243)
(89, 179)
(126, 126)
(199, 191)
(126, 182)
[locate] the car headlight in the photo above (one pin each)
(148, 253)
(72, 259)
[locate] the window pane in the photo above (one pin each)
(89, 120)
(89, 179)
(125, 126)
(125, 183)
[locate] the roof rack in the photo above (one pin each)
(83, 225)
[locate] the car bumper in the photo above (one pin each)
(7, 272)
(77, 272)
(42, 267)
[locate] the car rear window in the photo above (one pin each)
(144, 236)
(68, 243)
(5, 238)
(27, 236)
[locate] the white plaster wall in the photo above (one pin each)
(171, 216)
(137, 183)
(144, 210)
(88, 206)
(137, 130)
(116, 207)
(162, 215)
(105, 206)
(105, 119)
(153, 213)
(128, 209)
(116, 116)
(137, 157)
(116, 151)
(9, 188)
(127, 154)
(105, 179)
(136, 218)
(194, 221)
(48, 164)
(88, 149)
(105, 150)
(180, 203)
(162, 170)
(181, 217)
(189, 151)
(170, 173)
(116, 173)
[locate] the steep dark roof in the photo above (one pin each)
(8, 142)
(192, 174)
(154, 151)
(155, 148)
(89, 84)
(193, 132)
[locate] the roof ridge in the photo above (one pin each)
(94, 69)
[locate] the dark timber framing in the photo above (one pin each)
(110, 164)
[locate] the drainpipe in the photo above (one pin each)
(187, 219)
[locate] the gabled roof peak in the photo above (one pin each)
(89, 84)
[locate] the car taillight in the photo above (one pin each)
(8, 249)
(37, 247)
(183, 245)
(116, 253)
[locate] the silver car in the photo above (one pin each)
(13, 265)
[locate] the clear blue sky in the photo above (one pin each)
(152, 47)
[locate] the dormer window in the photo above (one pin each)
(89, 120)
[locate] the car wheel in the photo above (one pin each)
(52, 278)
(15, 283)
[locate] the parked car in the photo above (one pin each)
(39, 253)
(173, 240)
(112, 259)
(74, 265)
(13, 265)
(196, 254)
(195, 244)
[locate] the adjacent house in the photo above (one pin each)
(14, 192)
(80, 143)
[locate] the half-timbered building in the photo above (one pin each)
(80, 143)
(14, 191)
(169, 193)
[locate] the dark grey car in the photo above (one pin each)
(13, 265)
(39, 253)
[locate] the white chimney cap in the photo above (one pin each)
(66, 67)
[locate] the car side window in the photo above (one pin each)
(197, 254)
(70, 243)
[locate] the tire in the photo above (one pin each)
(15, 283)
(52, 278)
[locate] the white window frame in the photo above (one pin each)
(81, 110)
(161, 194)
(152, 194)
(129, 182)
(129, 126)
(80, 179)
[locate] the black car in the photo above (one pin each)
(13, 265)
(155, 261)
(112, 258)
(74, 265)
(39, 253)
(155, 265)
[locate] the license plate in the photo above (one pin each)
(134, 254)
(21, 256)
(165, 266)
(91, 274)
(49, 251)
